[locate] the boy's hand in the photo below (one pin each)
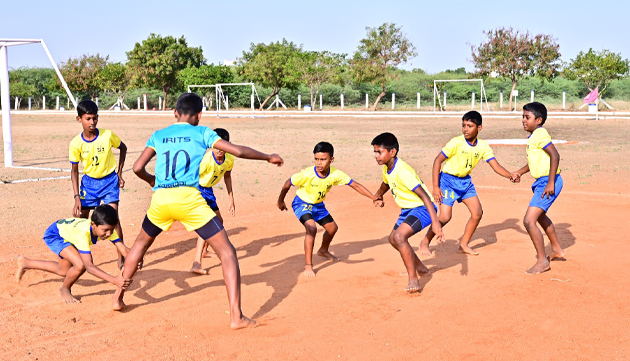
(282, 206)
(121, 282)
(276, 159)
(152, 182)
(231, 208)
(121, 181)
(515, 177)
(437, 229)
(550, 190)
(437, 195)
(76, 210)
(378, 202)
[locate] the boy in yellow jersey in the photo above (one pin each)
(543, 163)
(460, 155)
(70, 239)
(308, 205)
(179, 149)
(215, 165)
(100, 182)
(412, 196)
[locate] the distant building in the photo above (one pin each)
(229, 62)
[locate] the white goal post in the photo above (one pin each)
(221, 100)
(437, 97)
(6, 98)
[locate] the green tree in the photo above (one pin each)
(511, 54)
(597, 69)
(273, 66)
(114, 77)
(379, 53)
(82, 73)
(317, 68)
(21, 90)
(156, 62)
(204, 75)
(44, 81)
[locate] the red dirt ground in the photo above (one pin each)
(470, 308)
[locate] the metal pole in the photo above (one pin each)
(44, 103)
(15, 103)
(393, 101)
(472, 106)
(501, 99)
(160, 105)
(341, 100)
(144, 96)
(227, 103)
(57, 103)
(299, 100)
(367, 102)
(320, 101)
(138, 103)
(29, 103)
(96, 101)
(564, 99)
(418, 106)
(444, 100)
(63, 82)
(7, 137)
(532, 99)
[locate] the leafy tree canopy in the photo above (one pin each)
(317, 68)
(82, 73)
(597, 69)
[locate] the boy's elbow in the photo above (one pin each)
(137, 168)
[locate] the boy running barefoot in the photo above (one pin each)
(70, 239)
(452, 183)
(308, 205)
(543, 163)
(411, 195)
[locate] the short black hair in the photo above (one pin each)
(324, 147)
(538, 109)
(87, 107)
(473, 116)
(387, 141)
(223, 134)
(189, 104)
(105, 215)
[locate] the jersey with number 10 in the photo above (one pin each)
(179, 150)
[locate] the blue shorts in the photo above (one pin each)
(539, 188)
(54, 241)
(317, 211)
(456, 189)
(95, 190)
(417, 218)
(208, 195)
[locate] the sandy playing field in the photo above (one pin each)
(470, 308)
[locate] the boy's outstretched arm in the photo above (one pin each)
(378, 196)
(74, 177)
(242, 151)
(435, 176)
(436, 226)
(283, 193)
(95, 271)
(228, 185)
(362, 190)
(519, 173)
(139, 167)
(498, 169)
(554, 162)
(121, 164)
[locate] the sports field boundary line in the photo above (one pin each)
(583, 193)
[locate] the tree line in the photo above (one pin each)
(166, 65)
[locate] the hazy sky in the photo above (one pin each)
(442, 31)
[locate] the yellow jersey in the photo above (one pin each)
(462, 156)
(96, 155)
(313, 188)
(78, 232)
(211, 171)
(403, 180)
(537, 159)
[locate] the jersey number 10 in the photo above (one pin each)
(171, 165)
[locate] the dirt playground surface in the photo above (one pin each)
(470, 308)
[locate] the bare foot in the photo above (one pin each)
(243, 322)
(308, 271)
(539, 267)
(413, 286)
(327, 254)
(207, 254)
(196, 268)
(117, 300)
(66, 296)
(467, 250)
(559, 253)
(424, 250)
(20, 270)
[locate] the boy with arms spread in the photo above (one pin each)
(460, 155)
(411, 195)
(179, 149)
(70, 239)
(100, 182)
(308, 205)
(215, 165)
(543, 162)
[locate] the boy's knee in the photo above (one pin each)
(399, 238)
(476, 214)
(529, 223)
(332, 228)
(311, 230)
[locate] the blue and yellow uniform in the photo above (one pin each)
(403, 181)
(539, 163)
(73, 231)
(461, 158)
(179, 150)
(309, 198)
(210, 173)
(100, 181)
